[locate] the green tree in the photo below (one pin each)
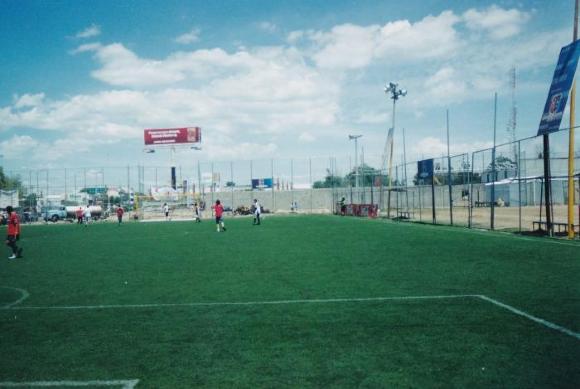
(368, 176)
(330, 181)
(10, 183)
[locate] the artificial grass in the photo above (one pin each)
(416, 343)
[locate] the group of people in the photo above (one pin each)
(219, 211)
(83, 215)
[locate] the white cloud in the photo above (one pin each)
(350, 46)
(306, 137)
(89, 32)
(373, 117)
(17, 146)
(499, 23)
(434, 147)
(86, 47)
(27, 100)
(268, 27)
(190, 37)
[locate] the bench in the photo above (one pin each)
(559, 225)
(479, 204)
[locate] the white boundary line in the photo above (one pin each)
(24, 296)
(507, 307)
(242, 303)
(125, 384)
(538, 320)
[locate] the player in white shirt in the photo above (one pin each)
(257, 212)
(87, 215)
(166, 211)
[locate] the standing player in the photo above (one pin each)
(219, 211)
(120, 211)
(342, 206)
(87, 215)
(166, 211)
(196, 214)
(13, 233)
(79, 215)
(257, 212)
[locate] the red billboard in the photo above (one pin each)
(168, 136)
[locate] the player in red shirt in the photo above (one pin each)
(219, 211)
(13, 233)
(120, 213)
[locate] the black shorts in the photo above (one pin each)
(218, 219)
(10, 239)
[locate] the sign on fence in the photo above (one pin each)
(561, 83)
(425, 169)
(262, 183)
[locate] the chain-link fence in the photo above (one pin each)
(497, 188)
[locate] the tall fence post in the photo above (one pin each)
(519, 188)
(310, 174)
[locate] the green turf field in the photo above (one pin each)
(304, 301)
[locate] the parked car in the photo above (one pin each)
(54, 214)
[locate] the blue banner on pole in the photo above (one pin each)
(425, 169)
(560, 88)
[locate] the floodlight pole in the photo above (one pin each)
(355, 137)
(395, 93)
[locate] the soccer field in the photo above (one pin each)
(303, 301)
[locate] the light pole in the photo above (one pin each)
(395, 93)
(355, 137)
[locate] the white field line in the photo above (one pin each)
(242, 303)
(538, 320)
(24, 296)
(514, 310)
(124, 384)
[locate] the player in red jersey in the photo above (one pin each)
(13, 233)
(120, 213)
(219, 211)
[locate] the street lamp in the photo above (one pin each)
(355, 137)
(395, 93)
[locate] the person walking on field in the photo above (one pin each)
(13, 233)
(219, 211)
(257, 212)
(87, 215)
(166, 211)
(196, 214)
(120, 211)
(79, 214)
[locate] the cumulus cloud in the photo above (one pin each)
(190, 37)
(17, 146)
(89, 32)
(306, 137)
(350, 46)
(499, 23)
(268, 27)
(28, 100)
(435, 147)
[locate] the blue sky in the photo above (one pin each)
(80, 80)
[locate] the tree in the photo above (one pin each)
(368, 176)
(230, 184)
(330, 181)
(10, 183)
